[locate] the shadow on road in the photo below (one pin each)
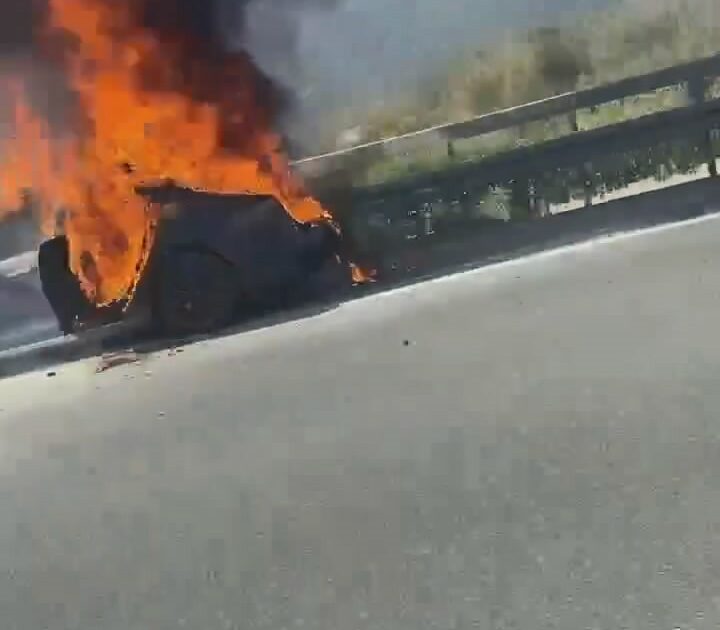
(113, 342)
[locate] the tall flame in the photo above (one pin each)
(135, 129)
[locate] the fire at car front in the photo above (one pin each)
(154, 94)
(215, 258)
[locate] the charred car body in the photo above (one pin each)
(215, 257)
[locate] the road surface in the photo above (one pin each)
(25, 316)
(534, 445)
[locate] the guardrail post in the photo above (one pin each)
(538, 206)
(573, 120)
(427, 220)
(697, 92)
(587, 171)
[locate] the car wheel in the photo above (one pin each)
(195, 292)
(61, 286)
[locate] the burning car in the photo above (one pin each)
(214, 257)
(154, 91)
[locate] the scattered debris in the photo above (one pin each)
(116, 359)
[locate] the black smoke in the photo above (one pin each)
(23, 57)
(212, 21)
(206, 54)
(19, 20)
(198, 61)
(221, 34)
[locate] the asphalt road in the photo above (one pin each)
(534, 445)
(25, 316)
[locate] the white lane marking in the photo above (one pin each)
(18, 265)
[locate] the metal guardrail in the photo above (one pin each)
(454, 199)
(574, 150)
(693, 74)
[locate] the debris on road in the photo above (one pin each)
(116, 359)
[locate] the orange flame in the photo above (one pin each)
(132, 135)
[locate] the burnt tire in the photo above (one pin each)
(61, 286)
(195, 292)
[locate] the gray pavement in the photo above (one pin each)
(533, 445)
(25, 316)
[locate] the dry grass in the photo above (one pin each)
(636, 37)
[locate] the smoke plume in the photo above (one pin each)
(202, 33)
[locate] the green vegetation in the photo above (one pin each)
(635, 37)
